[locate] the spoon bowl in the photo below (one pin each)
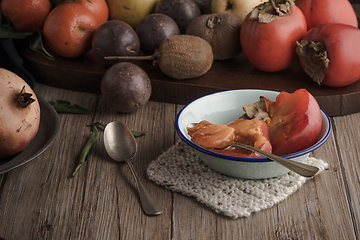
(121, 146)
(119, 142)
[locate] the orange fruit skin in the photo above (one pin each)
(98, 7)
(69, 28)
(26, 15)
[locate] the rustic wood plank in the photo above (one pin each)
(101, 200)
(150, 119)
(307, 214)
(348, 141)
(129, 220)
(40, 200)
(38, 182)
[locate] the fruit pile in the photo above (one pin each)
(184, 37)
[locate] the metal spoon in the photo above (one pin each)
(121, 146)
(302, 169)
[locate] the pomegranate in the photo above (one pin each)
(19, 114)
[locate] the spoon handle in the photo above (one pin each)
(149, 205)
(297, 167)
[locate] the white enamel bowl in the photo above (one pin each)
(226, 106)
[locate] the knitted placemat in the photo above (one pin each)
(180, 169)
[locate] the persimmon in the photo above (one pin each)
(318, 12)
(295, 121)
(69, 28)
(330, 55)
(268, 35)
(26, 15)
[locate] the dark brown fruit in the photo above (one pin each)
(182, 11)
(222, 31)
(154, 29)
(184, 56)
(204, 6)
(125, 87)
(115, 38)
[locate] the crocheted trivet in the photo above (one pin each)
(180, 169)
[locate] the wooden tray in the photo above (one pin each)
(85, 73)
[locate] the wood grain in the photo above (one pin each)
(40, 200)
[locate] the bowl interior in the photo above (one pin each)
(226, 106)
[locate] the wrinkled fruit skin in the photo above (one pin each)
(18, 124)
(125, 87)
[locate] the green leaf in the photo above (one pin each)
(93, 138)
(98, 124)
(62, 106)
(36, 44)
(138, 134)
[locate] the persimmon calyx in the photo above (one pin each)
(269, 11)
(315, 56)
(25, 98)
(213, 22)
(253, 109)
(257, 110)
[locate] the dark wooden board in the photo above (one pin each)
(85, 73)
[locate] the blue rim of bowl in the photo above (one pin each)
(218, 155)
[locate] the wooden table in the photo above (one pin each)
(41, 200)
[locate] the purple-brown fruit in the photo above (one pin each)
(204, 6)
(126, 87)
(182, 11)
(115, 38)
(154, 29)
